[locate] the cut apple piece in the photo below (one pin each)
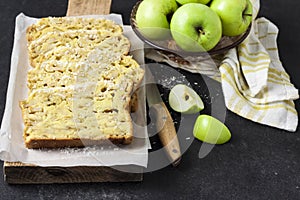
(210, 130)
(185, 100)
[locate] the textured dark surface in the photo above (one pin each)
(259, 162)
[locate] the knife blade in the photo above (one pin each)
(164, 122)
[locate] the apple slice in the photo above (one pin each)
(210, 130)
(185, 100)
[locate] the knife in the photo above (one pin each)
(164, 122)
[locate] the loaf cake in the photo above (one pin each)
(80, 84)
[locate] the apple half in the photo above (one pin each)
(210, 130)
(185, 100)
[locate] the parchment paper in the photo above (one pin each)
(12, 146)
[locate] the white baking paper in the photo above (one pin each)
(12, 146)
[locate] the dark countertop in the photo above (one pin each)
(259, 162)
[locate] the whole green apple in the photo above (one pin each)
(236, 15)
(195, 27)
(193, 1)
(153, 18)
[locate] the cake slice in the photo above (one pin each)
(65, 24)
(83, 99)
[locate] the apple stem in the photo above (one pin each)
(245, 10)
(200, 30)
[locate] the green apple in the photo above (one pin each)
(153, 18)
(185, 100)
(195, 27)
(210, 130)
(236, 15)
(193, 1)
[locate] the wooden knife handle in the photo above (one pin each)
(88, 7)
(167, 133)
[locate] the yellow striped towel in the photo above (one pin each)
(254, 82)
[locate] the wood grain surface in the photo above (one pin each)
(88, 7)
(20, 173)
(167, 133)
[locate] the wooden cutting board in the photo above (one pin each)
(20, 173)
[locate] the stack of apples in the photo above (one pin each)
(195, 25)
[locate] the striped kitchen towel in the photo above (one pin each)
(254, 82)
